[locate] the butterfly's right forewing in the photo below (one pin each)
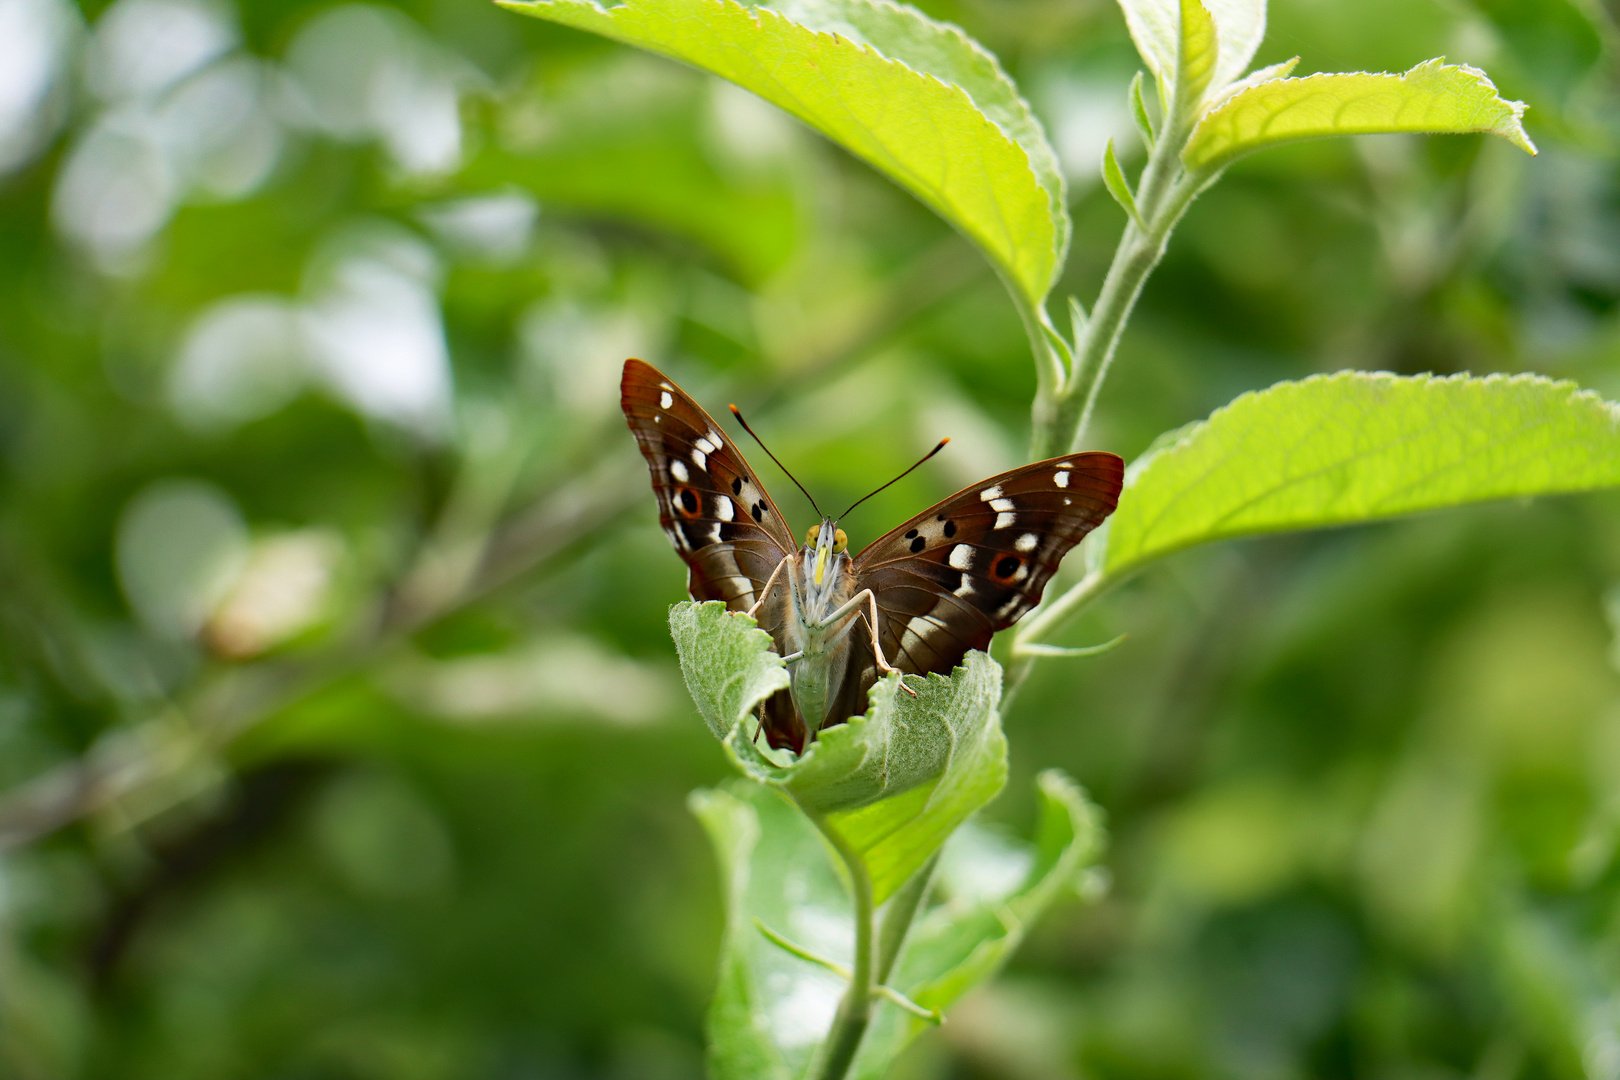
(712, 507)
(716, 513)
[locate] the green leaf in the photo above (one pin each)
(914, 98)
(771, 1007)
(1198, 56)
(1114, 180)
(894, 782)
(1139, 110)
(729, 664)
(1155, 26)
(1433, 98)
(1356, 446)
(903, 33)
(966, 940)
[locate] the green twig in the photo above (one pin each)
(882, 989)
(1036, 648)
(788, 945)
(837, 1051)
(898, 916)
(1063, 411)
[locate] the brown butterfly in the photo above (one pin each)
(914, 600)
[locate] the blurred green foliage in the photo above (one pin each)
(340, 732)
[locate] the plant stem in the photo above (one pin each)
(898, 916)
(837, 1052)
(1164, 193)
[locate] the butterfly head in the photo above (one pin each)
(824, 543)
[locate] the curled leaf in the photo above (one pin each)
(895, 782)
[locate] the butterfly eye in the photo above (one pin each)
(840, 542)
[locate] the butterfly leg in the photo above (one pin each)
(853, 607)
(877, 649)
(766, 591)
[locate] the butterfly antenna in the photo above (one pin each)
(897, 479)
(779, 465)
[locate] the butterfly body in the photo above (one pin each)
(915, 600)
(815, 636)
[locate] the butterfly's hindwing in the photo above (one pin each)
(951, 577)
(712, 507)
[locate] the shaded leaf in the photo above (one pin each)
(966, 940)
(771, 1007)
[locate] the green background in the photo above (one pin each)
(1363, 786)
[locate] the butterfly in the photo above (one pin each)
(916, 599)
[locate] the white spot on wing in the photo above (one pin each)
(966, 588)
(1065, 464)
(1061, 479)
(714, 437)
(714, 534)
(990, 493)
(665, 400)
(1005, 519)
(1007, 609)
(705, 445)
(700, 459)
(677, 469)
(922, 626)
(724, 509)
(962, 557)
(1027, 542)
(1001, 506)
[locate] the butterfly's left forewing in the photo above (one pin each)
(711, 505)
(948, 579)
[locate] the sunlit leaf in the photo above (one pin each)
(1199, 55)
(901, 32)
(1155, 26)
(929, 136)
(1432, 98)
(772, 1007)
(1357, 446)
